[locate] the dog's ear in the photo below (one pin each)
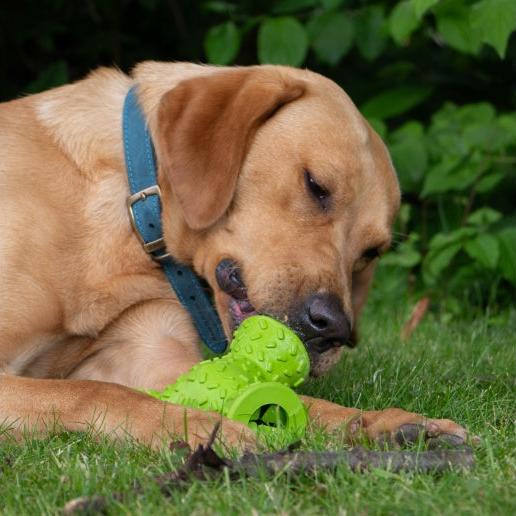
(361, 282)
(205, 126)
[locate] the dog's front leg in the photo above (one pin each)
(392, 424)
(148, 346)
(37, 407)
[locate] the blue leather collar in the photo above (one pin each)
(144, 206)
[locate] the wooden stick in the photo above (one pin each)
(205, 463)
(357, 459)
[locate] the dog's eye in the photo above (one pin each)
(366, 258)
(318, 192)
(371, 254)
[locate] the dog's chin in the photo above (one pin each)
(321, 363)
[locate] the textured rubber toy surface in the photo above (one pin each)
(250, 383)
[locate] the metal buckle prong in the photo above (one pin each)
(155, 245)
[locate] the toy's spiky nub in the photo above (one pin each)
(251, 383)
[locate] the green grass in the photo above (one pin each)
(464, 370)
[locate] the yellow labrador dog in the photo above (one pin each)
(274, 189)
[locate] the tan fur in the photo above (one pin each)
(81, 304)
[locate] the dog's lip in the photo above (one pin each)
(322, 344)
(229, 279)
(240, 310)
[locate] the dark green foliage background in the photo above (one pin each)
(436, 78)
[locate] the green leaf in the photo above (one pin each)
(455, 28)
(421, 6)
(458, 133)
(331, 36)
(494, 20)
(451, 174)
(371, 31)
(480, 112)
(489, 181)
(484, 136)
(222, 43)
(406, 255)
(507, 240)
(485, 249)
(395, 101)
(484, 216)
(442, 249)
(293, 6)
(403, 22)
(331, 4)
(441, 240)
(282, 41)
(508, 124)
(409, 154)
(436, 261)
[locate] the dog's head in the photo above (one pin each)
(287, 197)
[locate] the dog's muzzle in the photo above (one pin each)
(322, 323)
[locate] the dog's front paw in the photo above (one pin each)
(200, 425)
(399, 427)
(157, 423)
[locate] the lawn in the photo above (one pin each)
(464, 370)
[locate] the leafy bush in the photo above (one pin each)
(464, 160)
(457, 171)
(434, 77)
(332, 27)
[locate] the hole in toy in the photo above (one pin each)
(192, 298)
(271, 415)
(152, 226)
(179, 273)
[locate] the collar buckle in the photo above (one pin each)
(154, 245)
(144, 208)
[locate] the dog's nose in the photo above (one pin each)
(322, 322)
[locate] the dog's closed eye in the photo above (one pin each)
(320, 194)
(366, 258)
(371, 253)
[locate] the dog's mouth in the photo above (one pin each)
(229, 279)
(323, 352)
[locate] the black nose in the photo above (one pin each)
(323, 323)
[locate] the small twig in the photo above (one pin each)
(416, 317)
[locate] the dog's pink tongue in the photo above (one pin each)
(242, 309)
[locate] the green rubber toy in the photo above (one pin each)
(251, 382)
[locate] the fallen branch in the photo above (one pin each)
(357, 459)
(205, 464)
